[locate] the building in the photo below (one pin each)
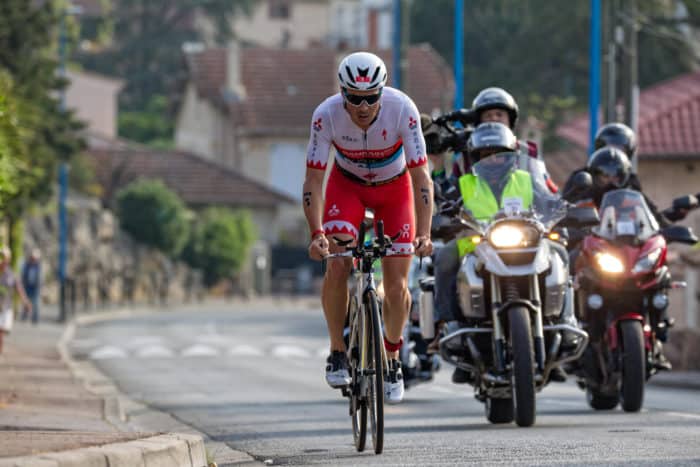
(249, 108)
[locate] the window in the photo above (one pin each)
(280, 9)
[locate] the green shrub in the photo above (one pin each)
(154, 215)
(220, 243)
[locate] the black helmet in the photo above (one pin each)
(495, 98)
(618, 135)
(489, 138)
(610, 168)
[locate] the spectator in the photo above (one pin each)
(31, 280)
(8, 285)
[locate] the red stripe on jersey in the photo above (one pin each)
(368, 153)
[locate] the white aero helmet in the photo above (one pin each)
(362, 71)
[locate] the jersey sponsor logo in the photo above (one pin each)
(406, 231)
(333, 211)
(384, 133)
(356, 154)
(318, 124)
(412, 123)
(349, 138)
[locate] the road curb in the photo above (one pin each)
(166, 450)
(117, 408)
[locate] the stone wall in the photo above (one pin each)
(105, 266)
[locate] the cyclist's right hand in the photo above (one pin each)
(318, 249)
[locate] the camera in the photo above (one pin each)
(441, 135)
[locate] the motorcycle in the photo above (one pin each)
(512, 290)
(623, 283)
(418, 365)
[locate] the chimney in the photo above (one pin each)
(234, 78)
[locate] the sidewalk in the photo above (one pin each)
(49, 418)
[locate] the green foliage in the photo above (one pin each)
(12, 146)
(46, 134)
(154, 215)
(220, 243)
(531, 48)
(150, 126)
(146, 43)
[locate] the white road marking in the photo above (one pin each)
(107, 351)
(290, 351)
(245, 350)
(199, 350)
(154, 351)
(684, 415)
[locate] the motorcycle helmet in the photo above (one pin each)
(490, 138)
(618, 135)
(362, 71)
(610, 168)
(495, 98)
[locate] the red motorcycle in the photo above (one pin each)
(622, 294)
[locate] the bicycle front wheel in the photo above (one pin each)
(375, 396)
(358, 404)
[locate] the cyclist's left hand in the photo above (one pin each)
(423, 245)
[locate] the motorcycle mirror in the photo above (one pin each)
(679, 234)
(578, 217)
(687, 202)
(581, 182)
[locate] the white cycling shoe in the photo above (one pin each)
(393, 383)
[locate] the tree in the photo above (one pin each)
(154, 215)
(220, 243)
(43, 134)
(536, 51)
(146, 44)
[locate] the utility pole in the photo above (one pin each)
(594, 73)
(610, 40)
(405, 39)
(630, 83)
(459, 54)
(396, 44)
(63, 171)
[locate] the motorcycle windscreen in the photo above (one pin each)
(625, 216)
(547, 207)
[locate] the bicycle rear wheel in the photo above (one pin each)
(358, 404)
(375, 395)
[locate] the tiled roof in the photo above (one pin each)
(669, 119)
(197, 181)
(283, 86)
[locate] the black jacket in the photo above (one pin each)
(597, 195)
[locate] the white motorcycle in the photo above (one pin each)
(513, 291)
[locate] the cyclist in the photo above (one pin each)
(381, 164)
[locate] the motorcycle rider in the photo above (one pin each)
(621, 136)
(492, 104)
(610, 169)
(487, 139)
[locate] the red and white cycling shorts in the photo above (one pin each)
(392, 202)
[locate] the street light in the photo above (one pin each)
(72, 10)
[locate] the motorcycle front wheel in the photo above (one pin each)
(523, 364)
(633, 366)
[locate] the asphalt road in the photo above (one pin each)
(253, 379)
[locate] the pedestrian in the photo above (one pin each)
(8, 286)
(31, 281)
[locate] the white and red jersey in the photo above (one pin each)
(393, 142)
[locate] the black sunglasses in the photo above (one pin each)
(356, 100)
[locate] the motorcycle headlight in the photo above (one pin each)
(647, 263)
(609, 263)
(511, 236)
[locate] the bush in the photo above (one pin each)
(154, 215)
(220, 243)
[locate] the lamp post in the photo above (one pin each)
(63, 171)
(594, 74)
(459, 54)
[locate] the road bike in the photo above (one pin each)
(365, 351)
